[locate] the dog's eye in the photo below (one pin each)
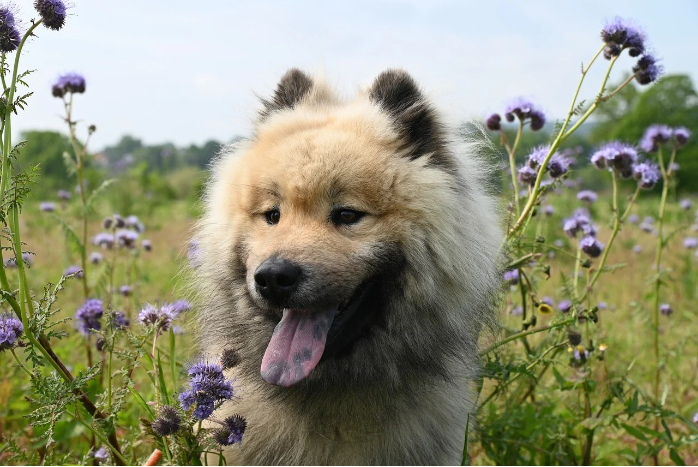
(346, 216)
(272, 216)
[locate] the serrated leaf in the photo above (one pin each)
(71, 236)
(71, 167)
(97, 192)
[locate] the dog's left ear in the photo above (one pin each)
(292, 88)
(396, 92)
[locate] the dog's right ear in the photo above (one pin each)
(293, 87)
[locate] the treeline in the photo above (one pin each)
(672, 101)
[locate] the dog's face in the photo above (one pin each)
(328, 213)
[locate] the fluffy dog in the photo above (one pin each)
(349, 253)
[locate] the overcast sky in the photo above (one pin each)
(186, 72)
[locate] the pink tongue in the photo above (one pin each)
(296, 346)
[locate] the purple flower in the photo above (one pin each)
(581, 354)
(647, 70)
(564, 306)
(147, 246)
(559, 165)
(537, 156)
(681, 135)
(132, 222)
(89, 315)
(95, 257)
(511, 277)
(587, 196)
(616, 156)
(602, 305)
(232, 432)
(655, 136)
(637, 248)
(126, 290)
(74, 270)
(618, 34)
(690, 242)
(633, 218)
(69, 83)
(64, 195)
(695, 418)
(686, 204)
(580, 221)
(548, 301)
(101, 455)
(517, 311)
(52, 12)
(674, 167)
(591, 246)
(104, 239)
(179, 307)
(120, 320)
(548, 210)
(493, 122)
(645, 227)
(647, 174)
(28, 258)
(524, 109)
(208, 387)
(167, 422)
(161, 318)
(11, 329)
(47, 206)
(10, 37)
(126, 238)
(665, 309)
(527, 175)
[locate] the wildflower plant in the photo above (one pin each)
(573, 325)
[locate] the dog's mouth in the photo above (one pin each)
(300, 338)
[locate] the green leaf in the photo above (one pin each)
(141, 401)
(97, 192)
(465, 444)
(634, 432)
(173, 358)
(71, 167)
(676, 458)
(665, 393)
(70, 236)
(161, 380)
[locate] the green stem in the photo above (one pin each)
(101, 437)
(21, 365)
(558, 140)
(576, 267)
(519, 335)
(512, 166)
(658, 265)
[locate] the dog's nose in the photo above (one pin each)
(276, 279)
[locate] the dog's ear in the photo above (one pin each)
(396, 92)
(293, 87)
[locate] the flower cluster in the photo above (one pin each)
(232, 431)
(208, 386)
(74, 271)
(71, 83)
(159, 317)
(52, 13)
(167, 422)
(10, 37)
(620, 34)
(519, 108)
(89, 316)
(616, 156)
(47, 206)
(647, 175)
(558, 165)
(11, 329)
(28, 259)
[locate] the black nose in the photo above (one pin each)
(277, 279)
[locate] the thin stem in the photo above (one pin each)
(558, 140)
(519, 335)
(101, 437)
(512, 166)
(21, 365)
(576, 267)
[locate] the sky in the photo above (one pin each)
(187, 72)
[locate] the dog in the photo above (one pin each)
(350, 255)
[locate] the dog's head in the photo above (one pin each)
(345, 233)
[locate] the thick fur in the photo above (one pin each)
(397, 391)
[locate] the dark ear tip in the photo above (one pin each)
(394, 85)
(296, 79)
